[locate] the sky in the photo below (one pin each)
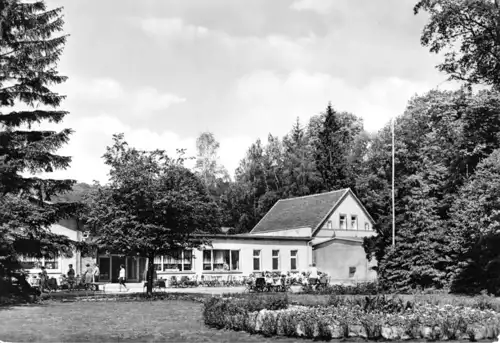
(164, 71)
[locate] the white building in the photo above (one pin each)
(326, 229)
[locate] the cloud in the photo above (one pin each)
(150, 99)
(92, 136)
(172, 27)
(277, 99)
(94, 89)
(320, 6)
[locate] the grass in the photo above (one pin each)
(107, 321)
(142, 321)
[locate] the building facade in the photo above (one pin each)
(326, 229)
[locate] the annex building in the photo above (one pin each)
(326, 229)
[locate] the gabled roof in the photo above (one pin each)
(294, 213)
(309, 211)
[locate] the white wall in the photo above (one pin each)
(348, 207)
(299, 232)
(336, 257)
(63, 262)
(247, 246)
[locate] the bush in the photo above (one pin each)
(232, 313)
(363, 288)
(369, 317)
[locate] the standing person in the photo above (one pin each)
(71, 277)
(121, 277)
(88, 275)
(43, 279)
(313, 275)
(96, 273)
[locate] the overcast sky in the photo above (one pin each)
(163, 71)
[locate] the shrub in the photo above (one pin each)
(363, 288)
(269, 324)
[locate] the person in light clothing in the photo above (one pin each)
(96, 272)
(313, 274)
(121, 277)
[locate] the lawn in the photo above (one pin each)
(110, 321)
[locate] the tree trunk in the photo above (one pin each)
(150, 273)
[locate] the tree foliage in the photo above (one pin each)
(469, 32)
(30, 46)
(207, 167)
(474, 233)
(440, 140)
(153, 204)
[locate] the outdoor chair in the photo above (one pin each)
(323, 283)
(260, 285)
(173, 282)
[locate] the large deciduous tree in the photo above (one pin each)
(31, 44)
(474, 233)
(153, 204)
(213, 174)
(440, 140)
(469, 30)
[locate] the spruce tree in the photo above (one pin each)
(31, 44)
(333, 146)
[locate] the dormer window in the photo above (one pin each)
(367, 227)
(329, 225)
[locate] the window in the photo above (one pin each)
(343, 222)
(207, 259)
(157, 263)
(175, 260)
(30, 263)
(187, 260)
(276, 259)
(51, 263)
(293, 259)
(367, 226)
(352, 271)
(256, 260)
(221, 260)
(354, 222)
(36, 263)
(329, 225)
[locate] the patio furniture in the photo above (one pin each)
(260, 285)
(173, 282)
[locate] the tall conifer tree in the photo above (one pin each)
(31, 44)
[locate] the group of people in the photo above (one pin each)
(91, 275)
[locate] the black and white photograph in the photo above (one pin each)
(249, 171)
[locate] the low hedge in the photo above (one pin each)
(375, 319)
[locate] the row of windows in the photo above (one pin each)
(218, 260)
(276, 260)
(35, 263)
(345, 225)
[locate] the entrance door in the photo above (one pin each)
(105, 269)
(132, 269)
(142, 268)
(116, 261)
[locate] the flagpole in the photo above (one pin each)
(393, 207)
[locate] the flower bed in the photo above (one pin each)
(391, 320)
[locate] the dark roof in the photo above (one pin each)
(307, 211)
(247, 236)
